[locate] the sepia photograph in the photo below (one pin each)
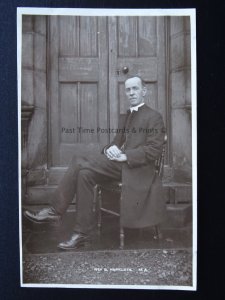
(107, 148)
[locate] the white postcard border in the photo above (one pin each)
(117, 12)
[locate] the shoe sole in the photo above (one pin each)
(42, 222)
(79, 245)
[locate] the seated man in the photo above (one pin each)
(129, 158)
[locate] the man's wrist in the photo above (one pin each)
(105, 150)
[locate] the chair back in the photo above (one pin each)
(159, 163)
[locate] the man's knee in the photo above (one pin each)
(86, 174)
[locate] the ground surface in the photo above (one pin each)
(138, 267)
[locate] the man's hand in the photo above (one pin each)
(113, 152)
(121, 158)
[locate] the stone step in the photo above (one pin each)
(178, 215)
(175, 193)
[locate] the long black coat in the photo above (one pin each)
(143, 202)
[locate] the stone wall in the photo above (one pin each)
(180, 97)
(33, 96)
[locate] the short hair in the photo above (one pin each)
(137, 76)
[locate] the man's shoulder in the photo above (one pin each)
(150, 111)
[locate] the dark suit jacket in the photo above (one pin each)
(143, 201)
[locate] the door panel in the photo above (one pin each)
(146, 67)
(88, 36)
(88, 111)
(147, 36)
(68, 35)
(78, 69)
(68, 91)
(127, 42)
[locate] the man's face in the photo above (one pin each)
(134, 90)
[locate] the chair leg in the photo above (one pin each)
(157, 233)
(99, 195)
(121, 227)
(95, 198)
(121, 237)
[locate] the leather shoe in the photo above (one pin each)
(76, 240)
(45, 215)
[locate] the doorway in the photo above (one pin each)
(89, 58)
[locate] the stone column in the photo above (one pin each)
(27, 105)
(180, 97)
(34, 111)
(26, 114)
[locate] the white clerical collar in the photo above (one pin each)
(132, 108)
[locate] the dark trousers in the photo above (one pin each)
(82, 175)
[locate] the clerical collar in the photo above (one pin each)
(132, 108)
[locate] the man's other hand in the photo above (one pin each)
(113, 152)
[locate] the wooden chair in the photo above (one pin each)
(115, 187)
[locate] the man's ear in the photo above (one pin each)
(144, 91)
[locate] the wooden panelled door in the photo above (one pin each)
(89, 60)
